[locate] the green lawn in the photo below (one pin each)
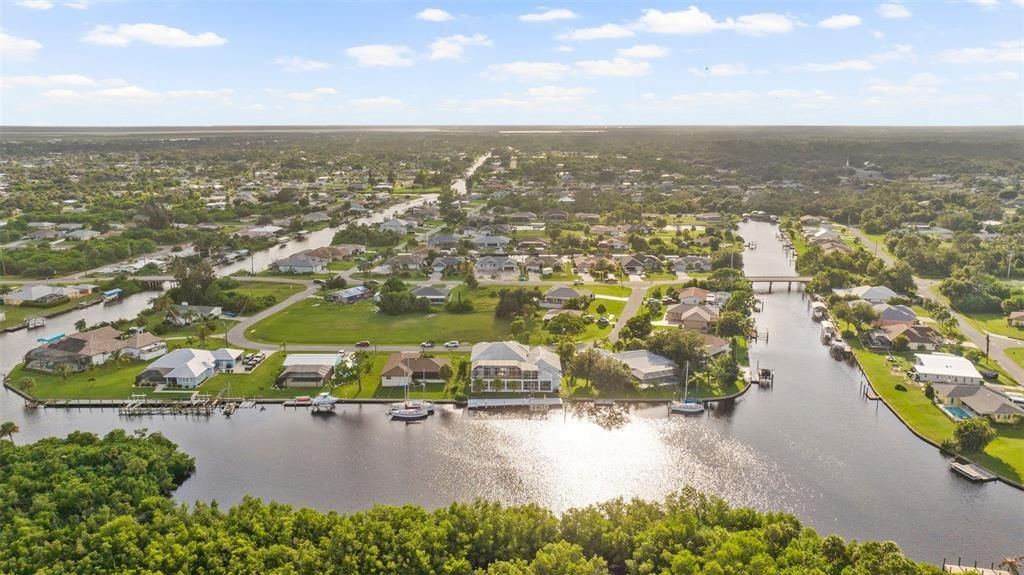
(371, 388)
(113, 380)
(261, 289)
(608, 289)
(995, 323)
(1016, 354)
(340, 266)
(1005, 455)
(314, 321)
(920, 311)
(17, 314)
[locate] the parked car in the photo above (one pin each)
(363, 343)
(577, 282)
(611, 281)
(427, 344)
(451, 344)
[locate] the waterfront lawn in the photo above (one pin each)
(995, 323)
(372, 389)
(1004, 456)
(17, 314)
(314, 321)
(112, 380)
(257, 383)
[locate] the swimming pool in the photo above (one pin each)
(956, 412)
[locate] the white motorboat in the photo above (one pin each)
(413, 404)
(409, 414)
(324, 401)
(687, 406)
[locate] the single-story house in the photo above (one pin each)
(262, 231)
(144, 346)
(188, 367)
(894, 315)
(490, 264)
(612, 244)
(409, 368)
(491, 242)
(537, 264)
(1016, 318)
(432, 294)
(591, 263)
(647, 367)
(870, 294)
(919, 337)
(556, 216)
(522, 217)
(398, 226)
(700, 317)
(185, 314)
(44, 294)
(335, 253)
(532, 244)
(81, 235)
(693, 296)
(78, 351)
(306, 372)
(558, 296)
(443, 241)
(639, 263)
(979, 399)
(350, 295)
(300, 264)
(587, 217)
(446, 263)
(405, 262)
(715, 345)
(945, 368)
(692, 263)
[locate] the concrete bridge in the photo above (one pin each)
(772, 280)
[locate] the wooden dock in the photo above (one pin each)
(527, 402)
(971, 472)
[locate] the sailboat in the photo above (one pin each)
(410, 410)
(687, 406)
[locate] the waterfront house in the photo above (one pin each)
(300, 264)
(435, 295)
(919, 337)
(647, 367)
(870, 294)
(699, 317)
(144, 346)
(715, 345)
(77, 352)
(262, 231)
(894, 315)
(335, 253)
(692, 264)
(185, 314)
(43, 295)
(693, 296)
(409, 368)
(944, 368)
(308, 369)
(979, 400)
(185, 367)
(509, 366)
(559, 296)
(350, 295)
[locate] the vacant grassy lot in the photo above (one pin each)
(609, 289)
(314, 321)
(995, 323)
(1005, 455)
(261, 289)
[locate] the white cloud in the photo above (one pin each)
(603, 32)
(558, 93)
(622, 67)
(47, 81)
(877, 34)
(77, 5)
(695, 21)
(297, 64)
(644, 51)
(127, 93)
(433, 15)
(527, 71)
(916, 85)
(155, 34)
(549, 15)
(310, 95)
(721, 70)
(1005, 51)
(453, 46)
(986, 4)
(899, 52)
(223, 93)
(855, 65)
(35, 4)
(840, 21)
(893, 11)
(1004, 76)
(381, 55)
(17, 48)
(378, 102)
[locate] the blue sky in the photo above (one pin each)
(92, 62)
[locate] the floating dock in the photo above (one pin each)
(971, 472)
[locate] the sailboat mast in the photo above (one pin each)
(686, 378)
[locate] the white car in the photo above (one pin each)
(451, 344)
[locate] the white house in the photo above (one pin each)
(144, 346)
(945, 368)
(870, 294)
(505, 366)
(188, 367)
(647, 367)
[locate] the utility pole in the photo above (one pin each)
(986, 344)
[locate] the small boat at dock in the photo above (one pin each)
(410, 414)
(686, 406)
(324, 401)
(35, 322)
(412, 404)
(818, 310)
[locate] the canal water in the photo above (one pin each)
(810, 445)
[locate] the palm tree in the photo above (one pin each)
(8, 429)
(202, 332)
(80, 325)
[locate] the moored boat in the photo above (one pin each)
(409, 414)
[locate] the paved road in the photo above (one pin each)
(997, 344)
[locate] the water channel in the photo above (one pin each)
(811, 445)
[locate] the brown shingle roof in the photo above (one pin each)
(92, 342)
